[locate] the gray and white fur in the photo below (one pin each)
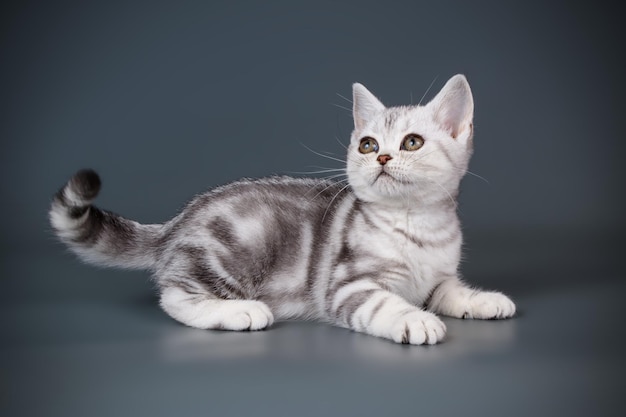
(379, 255)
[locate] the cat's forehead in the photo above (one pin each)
(401, 119)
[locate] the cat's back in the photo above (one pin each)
(272, 192)
(264, 202)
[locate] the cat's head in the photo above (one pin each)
(411, 155)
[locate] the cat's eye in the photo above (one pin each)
(412, 142)
(368, 145)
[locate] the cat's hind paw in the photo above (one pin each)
(196, 310)
(489, 305)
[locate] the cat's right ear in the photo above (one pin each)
(454, 106)
(365, 105)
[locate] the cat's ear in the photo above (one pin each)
(454, 106)
(365, 105)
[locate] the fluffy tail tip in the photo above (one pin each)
(80, 190)
(85, 184)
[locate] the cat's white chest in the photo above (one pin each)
(415, 252)
(430, 257)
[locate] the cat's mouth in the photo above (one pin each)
(385, 176)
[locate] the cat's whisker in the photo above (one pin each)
(329, 153)
(342, 107)
(340, 143)
(319, 193)
(346, 99)
(466, 171)
(456, 205)
(317, 172)
(328, 185)
(336, 178)
(417, 156)
(322, 155)
(476, 175)
(332, 177)
(328, 168)
(322, 167)
(428, 89)
(333, 199)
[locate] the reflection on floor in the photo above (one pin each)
(87, 342)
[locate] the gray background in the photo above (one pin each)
(167, 99)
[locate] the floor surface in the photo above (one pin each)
(82, 341)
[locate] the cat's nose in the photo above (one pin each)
(383, 159)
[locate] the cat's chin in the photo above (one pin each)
(387, 190)
(388, 185)
(385, 177)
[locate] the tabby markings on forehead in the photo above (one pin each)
(390, 119)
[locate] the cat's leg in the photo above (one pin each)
(365, 307)
(204, 311)
(453, 298)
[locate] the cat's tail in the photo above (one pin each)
(99, 236)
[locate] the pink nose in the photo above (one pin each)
(383, 159)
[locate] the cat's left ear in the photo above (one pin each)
(365, 105)
(454, 106)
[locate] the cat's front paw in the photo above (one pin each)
(418, 328)
(246, 315)
(489, 305)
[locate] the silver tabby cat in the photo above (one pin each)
(379, 256)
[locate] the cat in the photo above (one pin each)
(379, 255)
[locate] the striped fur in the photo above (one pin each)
(380, 256)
